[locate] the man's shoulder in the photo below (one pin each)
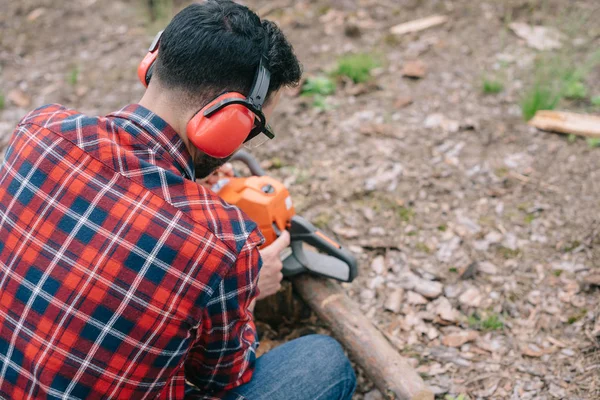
(62, 120)
(226, 221)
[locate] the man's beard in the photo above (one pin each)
(206, 165)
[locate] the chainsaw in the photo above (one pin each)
(268, 203)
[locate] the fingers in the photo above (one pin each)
(281, 242)
(226, 169)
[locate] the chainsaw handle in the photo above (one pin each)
(303, 231)
(250, 161)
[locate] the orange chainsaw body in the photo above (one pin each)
(266, 201)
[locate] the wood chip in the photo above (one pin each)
(394, 301)
(35, 14)
(419, 25)
(459, 338)
(414, 69)
(567, 122)
(403, 101)
(19, 98)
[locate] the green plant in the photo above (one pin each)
(491, 86)
(572, 138)
(357, 67)
(442, 228)
(405, 213)
(558, 272)
(454, 270)
(508, 253)
(1, 101)
(459, 397)
(577, 316)
(596, 101)
(73, 76)
(529, 218)
(318, 85)
(593, 142)
(422, 247)
(321, 103)
(572, 83)
(491, 322)
(540, 97)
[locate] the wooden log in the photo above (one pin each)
(567, 122)
(389, 371)
(284, 307)
(419, 25)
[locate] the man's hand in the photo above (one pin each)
(225, 171)
(269, 280)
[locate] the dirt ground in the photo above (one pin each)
(478, 236)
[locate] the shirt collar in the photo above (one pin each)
(158, 132)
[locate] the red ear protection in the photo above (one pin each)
(147, 65)
(221, 133)
(225, 123)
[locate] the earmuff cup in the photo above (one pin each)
(223, 132)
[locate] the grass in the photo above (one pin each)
(555, 78)
(405, 213)
(357, 67)
(539, 98)
(459, 397)
(2, 101)
(595, 101)
(322, 220)
(529, 218)
(508, 253)
(593, 142)
(442, 228)
(492, 86)
(422, 247)
(492, 322)
(73, 76)
(318, 85)
(577, 316)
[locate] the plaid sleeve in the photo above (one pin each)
(225, 351)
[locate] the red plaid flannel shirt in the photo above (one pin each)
(120, 277)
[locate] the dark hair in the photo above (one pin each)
(215, 46)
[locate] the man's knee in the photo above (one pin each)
(329, 358)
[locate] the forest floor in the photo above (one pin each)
(478, 236)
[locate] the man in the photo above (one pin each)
(120, 276)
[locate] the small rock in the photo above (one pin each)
(510, 242)
(415, 298)
(377, 231)
(376, 282)
(367, 294)
(443, 309)
(348, 233)
(394, 300)
(373, 395)
(414, 69)
(459, 338)
(471, 297)
(378, 265)
(488, 268)
(447, 249)
(538, 37)
(427, 288)
(469, 272)
(19, 98)
(403, 101)
(557, 392)
(592, 280)
(532, 350)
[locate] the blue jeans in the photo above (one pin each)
(309, 368)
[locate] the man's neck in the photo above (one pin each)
(160, 104)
